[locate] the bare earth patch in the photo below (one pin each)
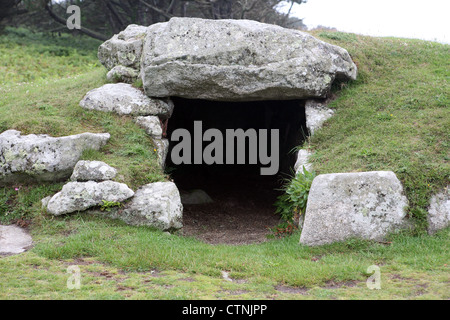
(243, 211)
(336, 285)
(291, 290)
(216, 224)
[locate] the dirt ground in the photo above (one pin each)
(242, 212)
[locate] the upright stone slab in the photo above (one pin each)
(439, 211)
(316, 114)
(365, 205)
(238, 60)
(151, 125)
(162, 148)
(302, 161)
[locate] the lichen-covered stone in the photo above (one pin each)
(80, 196)
(162, 148)
(124, 48)
(151, 125)
(364, 205)
(42, 157)
(122, 74)
(45, 201)
(124, 99)
(155, 205)
(92, 171)
(439, 211)
(316, 114)
(238, 60)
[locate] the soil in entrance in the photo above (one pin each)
(243, 210)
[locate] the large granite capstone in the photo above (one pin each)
(228, 60)
(238, 60)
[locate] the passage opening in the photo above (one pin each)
(243, 208)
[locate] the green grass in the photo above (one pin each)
(411, 267)
(394, 117)
(31, 56)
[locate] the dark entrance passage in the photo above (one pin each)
(243, 207)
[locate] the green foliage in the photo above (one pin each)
(109, 205)
(292, 203)
(138, 83)
(23, 202)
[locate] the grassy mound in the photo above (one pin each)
(394, 117)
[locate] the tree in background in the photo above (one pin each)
(102, 18)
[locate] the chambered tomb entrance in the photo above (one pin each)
(253, 81)
(241, 171)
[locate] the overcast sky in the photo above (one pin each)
(429, 20)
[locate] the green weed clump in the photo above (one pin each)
(292, 203)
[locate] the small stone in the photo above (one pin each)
(196, 196)
(439, 211)
(93, 171)
(151, 125)
(80, 196)
(316, 114)
(124, 99)
(122, 74)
